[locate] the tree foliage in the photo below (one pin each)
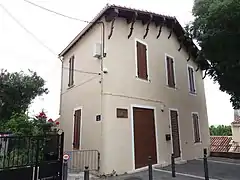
(17, 91)
(217, 30)
(220, 130)
(23, 125)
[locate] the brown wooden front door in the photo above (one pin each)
(76, 130)
(175, 133)
(144, 136)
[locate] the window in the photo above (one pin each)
(142, 71)
(76, 129)
(71, 72)
(196, 127)
(191, 80)
(170, 72)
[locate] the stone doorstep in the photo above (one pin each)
(79, 176)
(165, 164)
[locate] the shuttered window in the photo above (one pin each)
(175, 133)
(170, 72)
(191, 80)
(71, 72)
(196, 130)
(142, 71)
(76, 130)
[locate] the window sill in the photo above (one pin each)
(198, 143)
(144, 80)
(169, 87)
(70, 87)
(193, 93)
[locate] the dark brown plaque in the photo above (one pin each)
(122, 113)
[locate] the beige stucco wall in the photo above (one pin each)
(121, 80)
(116, 146)
(85, 94)
(236, 133)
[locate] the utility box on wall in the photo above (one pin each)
(97, 50)
(168, 137)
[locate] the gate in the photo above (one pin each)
(31, 157)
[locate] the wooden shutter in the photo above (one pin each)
(191, 80)
(170, 72)
(76, 131)
(71, 71)
(196, 128)
(175, 133)
(142, 61)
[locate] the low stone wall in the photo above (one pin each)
(225, 155)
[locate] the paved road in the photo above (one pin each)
(218, 169)
(144, 176)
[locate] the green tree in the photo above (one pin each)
(19, 124)
(216, 29)
(17, 91)
(220, 130)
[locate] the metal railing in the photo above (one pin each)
(79, 159)
(19, 151)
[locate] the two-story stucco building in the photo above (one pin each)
(139, 94)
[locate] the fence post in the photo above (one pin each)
(36, 160)
(86, 173)
(205, 163)
(61, 144)
(65, 169)
(150, 171)
(173, 165)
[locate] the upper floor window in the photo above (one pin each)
(196, 128)
(142, 69)
(71, 72)
(191, 80)
(170, 70)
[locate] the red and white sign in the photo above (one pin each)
(66, 157)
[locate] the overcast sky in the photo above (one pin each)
(20, 51)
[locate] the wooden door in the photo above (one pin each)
(144, 136)
(76, 130)
(175, 133)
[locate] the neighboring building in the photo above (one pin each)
(150, 100)
(236, 126)
(227, 144)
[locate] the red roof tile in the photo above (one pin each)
(220, 143)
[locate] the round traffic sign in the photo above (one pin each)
(66, 157)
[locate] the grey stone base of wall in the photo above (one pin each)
(225, 155)
(79, 176)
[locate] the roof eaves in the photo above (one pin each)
(84, 30)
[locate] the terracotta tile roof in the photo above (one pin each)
(220, 143)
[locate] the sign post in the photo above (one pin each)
(65, 166)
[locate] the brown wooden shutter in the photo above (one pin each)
(175, 133)
(170, 72)
(196, 128)
(191, 80)
(72, 76)
(142, 61)
(69, 72)
(76, 133)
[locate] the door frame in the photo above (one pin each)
(179, 131)
(132, 128)
(80, 140)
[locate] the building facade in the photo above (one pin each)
(148, 98)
